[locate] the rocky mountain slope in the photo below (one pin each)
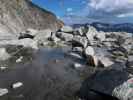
(18, 15)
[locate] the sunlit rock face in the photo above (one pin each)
(18, 15)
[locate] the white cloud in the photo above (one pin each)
(112, 6)
(69, 9)
(125, 15)
(113, 11)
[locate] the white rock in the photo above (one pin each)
(17, 85)
(43, 35)
(64, 36)
(77, 65)
(105, 61)
(19, 59)
(79, 41)
(3, 91)
(101, 36)
(91, 33)
(4, 54)
(89, 51)
(3, 68)
(67, 29)
(24, 42)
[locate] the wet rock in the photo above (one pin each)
(19, 59)
(64, 36)
(103, 82)
(4, 55)
(2, 68)
(54, 37)
(3, 91)
(67, 29)
(91, 33)
(75, 55)
(124, 91)
(17, 85)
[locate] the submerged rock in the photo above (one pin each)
(3, 91)
(4, 55)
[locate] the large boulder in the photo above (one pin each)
(90, 56)
(101, 36)
(91, 33)
(64, 36)
(103, 82)
(23, 42)
(43, 35)
(124, 91)
(79, 41)
(29, 33)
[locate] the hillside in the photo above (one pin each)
(18, 15)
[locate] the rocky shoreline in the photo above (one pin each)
(69, 64)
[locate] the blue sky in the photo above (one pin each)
(83, 11)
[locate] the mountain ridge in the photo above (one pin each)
(19, 15)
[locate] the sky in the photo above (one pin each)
(85, 11)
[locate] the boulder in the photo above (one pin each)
(124, 91)
(23, 42)
(17, 85)
(67, 29)
(91, 33)
(43, 35)
(105, 62)
(4, 55)
(91, 59)
(64, 36)
(3, 91)
(101, 36)
(130, 61)
(103, 82)
(79, 41)
(89, 51)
